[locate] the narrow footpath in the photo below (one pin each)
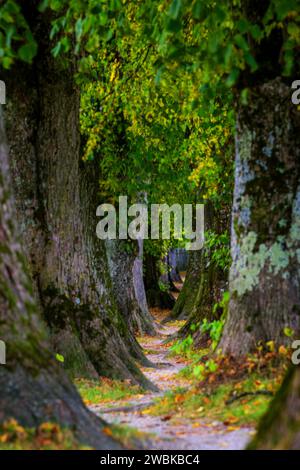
(163, 432)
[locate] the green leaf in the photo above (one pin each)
(28, 51)
(284, 7)
(241, 42)
(78, 28)
(174, 9)
(232, 77)
(251, 61)
(103, 18)
(243, 25)
(56, 5)
(43, 5)
(200, 10)
(59, 357)
(288, 331)
(56, 49)
(294, 31)
(256, 32)
(226, 296)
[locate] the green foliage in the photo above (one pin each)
(214, 329)
(16, 38)
(128, 436)
(220, 249)
(223, 304)
(210, 404)
(183, 346)
(105, 390)
(151, 141)
(201, 370)
(217, 36)
(46, 436)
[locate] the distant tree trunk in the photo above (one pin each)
(279, 428)
(125, 265)
(56, 197)
(185, 301)
(265, 276)
(33, 387)
(156, 297)
(178, 260)
(171, 275)
(205, 281)
(139, 289)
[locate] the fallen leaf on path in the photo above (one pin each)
(4, 438)
(233, 428)
(166, 418)
(230, 420)
(179, 398)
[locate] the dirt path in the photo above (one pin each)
(167, 434)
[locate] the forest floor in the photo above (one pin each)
(159, 425)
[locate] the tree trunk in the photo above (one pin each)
(33, 387)
(280, 427)
(205, 281)
(171, 274)
(185, 301)
(140, 293)
(125, 266)
(156, 297)
(177, 259)
(56, 197)
(264, 277)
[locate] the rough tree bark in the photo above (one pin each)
(186, 298)
(56, 197)
(127, 277)
(175, 262)
(156, 297)
(33, 387)
(280, 427)
(177, 259)
(265, 276)
(205, 282)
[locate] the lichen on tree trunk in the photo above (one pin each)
(265, 276)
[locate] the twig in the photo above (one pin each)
(126, 409)
(244, 394)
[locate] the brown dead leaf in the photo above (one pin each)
(179, 398)
(166, 417)
(230, 420)
(107, 430)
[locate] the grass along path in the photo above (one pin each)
(168, 430)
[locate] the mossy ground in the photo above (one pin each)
(105, 390)
(128, 436)
(235, 392)
(47, 436)
(51, 436)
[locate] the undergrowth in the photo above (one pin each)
(47, 436)
(235, 392)
(105, 390)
